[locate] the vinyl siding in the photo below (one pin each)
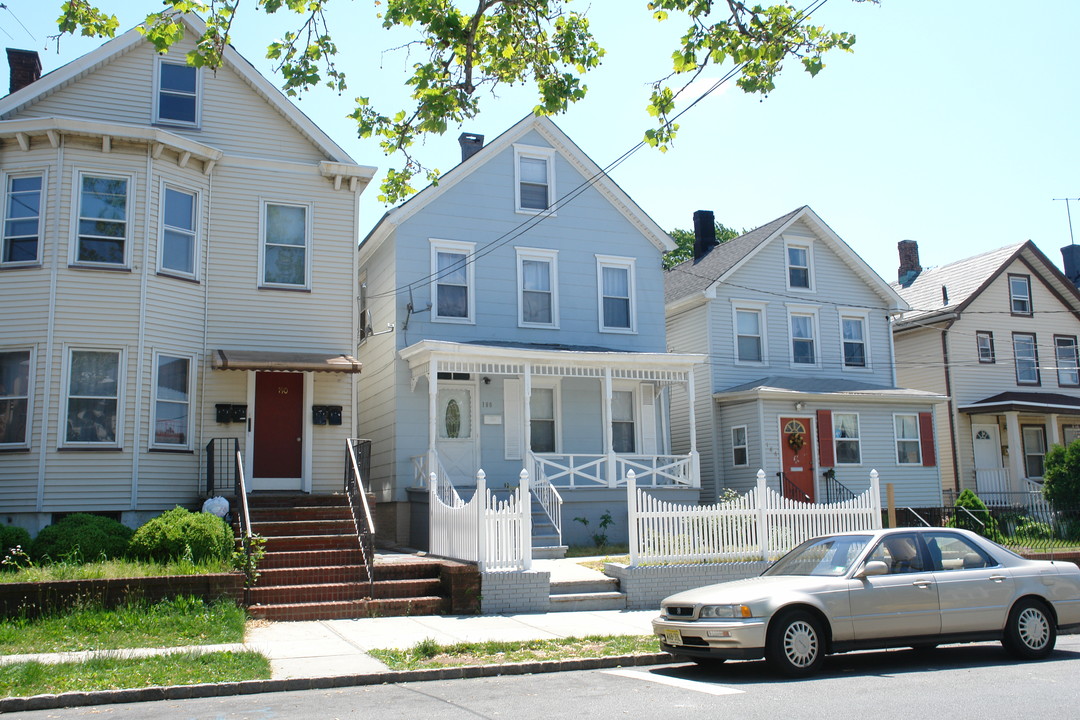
(920, 364)
(688, 332)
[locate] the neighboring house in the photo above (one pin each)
(178, 265)
(996, 332)
(514, 320)
(800, 377)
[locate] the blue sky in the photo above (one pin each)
(953, 123)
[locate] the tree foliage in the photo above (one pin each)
(684, 240)
(1061, 475)
(548, 43)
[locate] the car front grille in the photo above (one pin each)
(683, 612)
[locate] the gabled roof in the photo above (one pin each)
(563, 144)
(963, 280)
(118, 46)
(690, 278)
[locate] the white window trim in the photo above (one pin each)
(855, 314)
(542, 255)
(197, 210)
(540, 153)
(1035, 358)
(25, 444)
(453, 246)
(309, 244)
(753, 306)
(629, 264)
(1027, 454)
(121, 381)
(745, 446)
(6, 176)
(812, 312)
(835, 439)
(76, 206)
(555, 385)
(917, 439)
(155, 99)
(189, 445)
(808, 245)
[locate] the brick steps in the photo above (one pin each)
(351, 609)
(317, 512)
(295, 528)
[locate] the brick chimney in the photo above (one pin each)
(471, 143)
(909, 262)
(704, 233)
(25, 66)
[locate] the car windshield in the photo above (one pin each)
(826, 557)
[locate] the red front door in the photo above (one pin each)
(796, 450)
(279, 429)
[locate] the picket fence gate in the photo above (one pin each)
(494, 533)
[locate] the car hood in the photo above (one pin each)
(751, 589)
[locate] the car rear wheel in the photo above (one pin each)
(795, 645)
(1030, 633)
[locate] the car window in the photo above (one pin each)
(900, 553)
(953, 552)
(829, 557)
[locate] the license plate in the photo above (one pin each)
(673, 637)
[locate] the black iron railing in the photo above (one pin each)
(792, 491)
(221, 469)
(357, 465)
(835, 491)
(1037, 529)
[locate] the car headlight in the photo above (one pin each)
(724, 611)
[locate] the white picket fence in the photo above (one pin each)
(760, 525)
(495, 534)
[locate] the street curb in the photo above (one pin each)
(250, 687)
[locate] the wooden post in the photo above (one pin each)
(875, 496)
(525, 506)
(481, 502)
(632, 516)
(763, 528)
(891, 500)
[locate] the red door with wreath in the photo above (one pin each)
(797, 455)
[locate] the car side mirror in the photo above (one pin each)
(874, 567)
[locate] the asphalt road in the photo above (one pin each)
(954, 682)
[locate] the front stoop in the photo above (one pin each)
(313, 568)
(546, 544)
(578, 595)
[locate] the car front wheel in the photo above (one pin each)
(795, 645)
(1029, 632)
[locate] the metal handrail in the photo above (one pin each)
(550, 499)
(241, 495)
(836, 491)
(365, 525)
(790, 490)
(920, 517)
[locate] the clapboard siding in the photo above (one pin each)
(687, 331)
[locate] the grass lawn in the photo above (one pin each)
(429, 654)
(171, 623)
(113, 673)
(109, 569)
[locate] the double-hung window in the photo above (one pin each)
(93, 397)
(177, 94)
(908, 443)
(1020, 294)
(178, 231)
(286, 246)
(542, 433)
(103, 220)
(22, 219)
(535, 178)
(1034, 437)
(453, 299)
(800, 267)
(739, 454)
(1068, 370)
(846, 437)
(172, 402)
(984, 342)
(853, 340)
(749, 334)
(1026, 355)
(537, 287)
(14, 398)
(616, 285)
(803, 333)
(623, 429)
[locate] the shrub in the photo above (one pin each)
(81, 538)
(977, 517)
(179, 534)
(1061, 475)
(11, 536)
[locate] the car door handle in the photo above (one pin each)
(998, 578)
(924, 584)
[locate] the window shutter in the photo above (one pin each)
(648, 419)
(825, 438)
(513, 419)
(926, 439)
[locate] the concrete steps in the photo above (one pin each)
(599, 593)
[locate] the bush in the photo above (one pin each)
(81, 538)
(12, 536)
(1061, 475)
(179, 534)
(977, 517)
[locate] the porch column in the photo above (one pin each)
(695, 465)
(1016, 451)
(1053, 434)
(609, 440)
(433, 410)
(527, 410)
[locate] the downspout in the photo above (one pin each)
(527, 411)
(609, 441)
(205, 329)
(54, 276)
(952, 403)
(140, 365)
(433, 408)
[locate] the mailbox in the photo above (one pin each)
(333, 413)
(224, 413)
(318, 414)
(239, 413)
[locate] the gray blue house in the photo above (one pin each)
(801, 378)
(514, 319)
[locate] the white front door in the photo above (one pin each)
(457, 437)
(987, 442)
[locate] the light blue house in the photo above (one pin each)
(801, 379)
(514, 319)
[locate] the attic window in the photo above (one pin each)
(535, 178)
(177, 94)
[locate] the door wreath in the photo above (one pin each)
(796, 441)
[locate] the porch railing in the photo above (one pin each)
(760, 525)
(495, 534)
(221, 472)
(357, 465)
(550, 500)
(590, 470)
(993, 485)
(790, 490)
(836, 491)
(422, 469)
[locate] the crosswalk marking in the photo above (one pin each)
(694, 685)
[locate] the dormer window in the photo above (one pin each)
(1020, 294)
(177, 94)
(535, 178)
(800, 274)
